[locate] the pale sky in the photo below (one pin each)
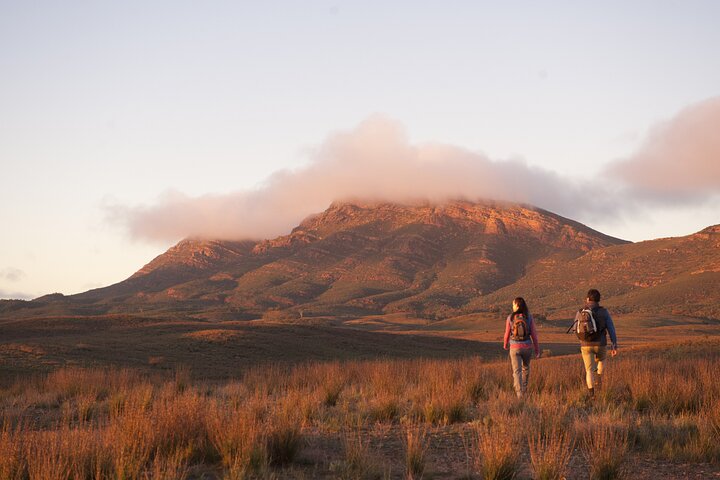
(112, 111)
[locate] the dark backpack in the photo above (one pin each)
(591, 324)
(519, 329)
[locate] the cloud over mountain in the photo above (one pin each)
(679, 162)
(11, 274)
(679, 159)
(375, 161)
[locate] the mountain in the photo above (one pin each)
(354, 258)
(436, 261)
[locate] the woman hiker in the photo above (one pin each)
(522, 340)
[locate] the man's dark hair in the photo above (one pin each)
(593, 295)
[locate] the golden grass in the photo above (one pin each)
(415, 441)
(605, 447)
(358, 462)
(495, 448)
(550, 452)
(110, 423)
(238, 439)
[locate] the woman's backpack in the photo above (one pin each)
(519, 330)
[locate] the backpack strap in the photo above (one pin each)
(602, 311)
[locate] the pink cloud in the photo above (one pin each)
(374, 161)
(679, 159)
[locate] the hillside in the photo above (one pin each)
(671, 276)
(352, 259)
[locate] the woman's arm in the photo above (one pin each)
(506, 339)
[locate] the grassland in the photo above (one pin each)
(388, 396)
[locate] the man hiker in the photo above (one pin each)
(592, 324)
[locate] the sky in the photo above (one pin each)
(128, 126)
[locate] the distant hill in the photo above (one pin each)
(678, 276)
(353, 259)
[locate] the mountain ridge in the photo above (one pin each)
(430, 260)
(354, 258)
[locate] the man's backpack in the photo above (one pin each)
(590, 325)
(519, 329)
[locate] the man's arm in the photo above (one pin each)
(534, 336)
(611, 330)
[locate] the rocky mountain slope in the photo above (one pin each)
(354, 258)
(435, 261)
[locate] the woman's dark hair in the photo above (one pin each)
(593, 295)
(522, 306)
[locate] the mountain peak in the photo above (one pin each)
(483, 217)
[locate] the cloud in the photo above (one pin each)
(12, 274)
(679, 160)
(374, 161)
(8, 295)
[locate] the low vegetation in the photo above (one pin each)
(366, 419)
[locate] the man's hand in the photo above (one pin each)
(613, 352)
(537, 355)
(505, 347)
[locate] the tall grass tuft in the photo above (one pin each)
(238, 439)
(284, 438)
(605, 447)
(550, 453)
(416, 444)
(181, 419)
(384, 409)
(170, 466)
(12, 461)
(494, 450)
(47, 457)
(357, 463)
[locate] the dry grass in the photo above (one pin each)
(550, 453)
(12, 445)
(415, 441)
(358, 463)
(605, 448)
(109, 423)
(495, 448)
(238, 439)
